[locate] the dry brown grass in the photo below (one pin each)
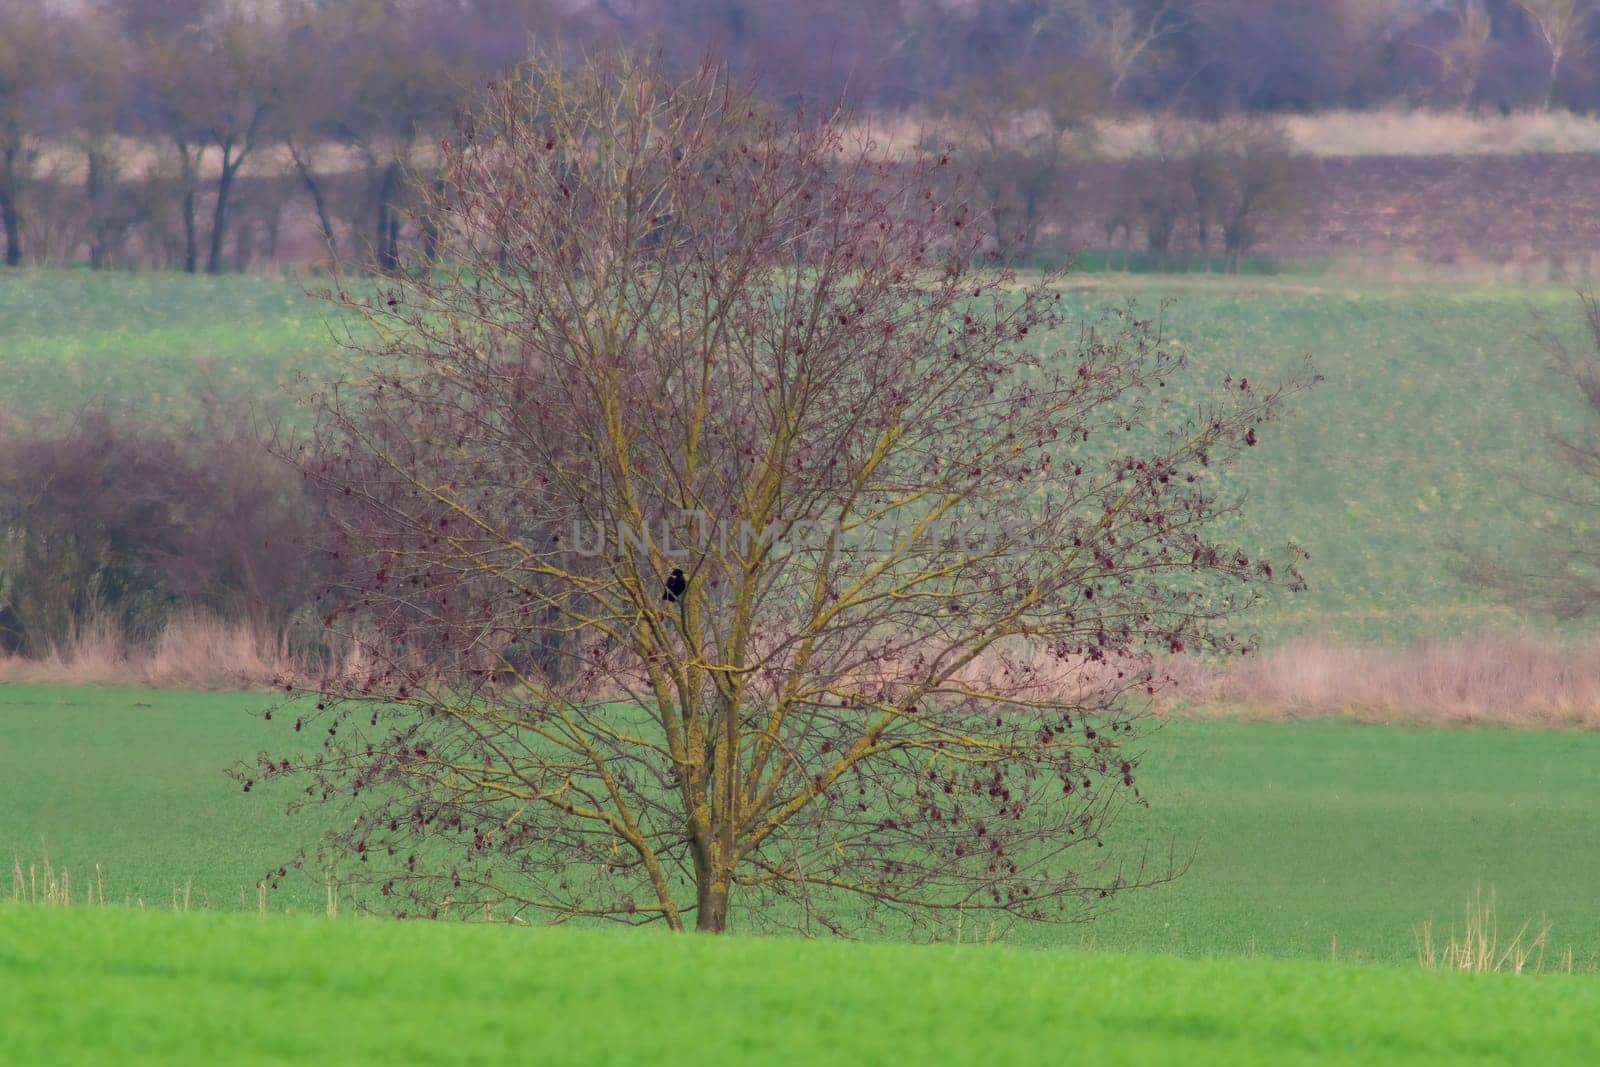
(43, 883)
(1404, 132)
(1510, 680)
(1388, 132)
(194, 652)
(1479, 948)
(1489, 679)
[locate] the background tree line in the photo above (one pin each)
(210, 134)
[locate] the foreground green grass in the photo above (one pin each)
(132, 780)
(109, 985)
(1435, 398)
(1311, 840)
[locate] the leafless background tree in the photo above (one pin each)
(210, 134)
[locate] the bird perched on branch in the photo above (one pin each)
(676, 584)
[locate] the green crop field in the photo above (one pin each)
(1436, 399)
(1315, 845)
(143, 343)
(130, 987)
(1313, 840)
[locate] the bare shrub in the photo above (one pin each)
(108, 524)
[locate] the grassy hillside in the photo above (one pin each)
(1435, 399)
(1311, 839)
(92, 986)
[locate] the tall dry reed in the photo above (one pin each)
(194, 651)
(1511, 680)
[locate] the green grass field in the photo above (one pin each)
(97, 986)
(1435, 398)
(1312, 840)
(143, 343)
(1314, 844)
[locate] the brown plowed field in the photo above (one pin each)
(1438, 209)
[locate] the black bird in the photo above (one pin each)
(676, 584)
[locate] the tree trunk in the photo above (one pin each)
(711, 911)
(219, 218)
(382, 239)
(309, 180)
(1030, 227)
(1550, 81)
(274, 225)
(714, 870)
(386, 250)
(13, 226)
(243, 247)
(8, 208)
(191, 241)
(430, 227)
(94, 190)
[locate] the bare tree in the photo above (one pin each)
(26, 70)
(311, 102)
(405, 84)
(1242, 171)
(212, 83)
(97, 71)
(924, 556)
(170, 82)
(242, 89)
(1469, 51)
(1029, 132)
(1161, 194)
(1559, 24)
(1125, 36)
